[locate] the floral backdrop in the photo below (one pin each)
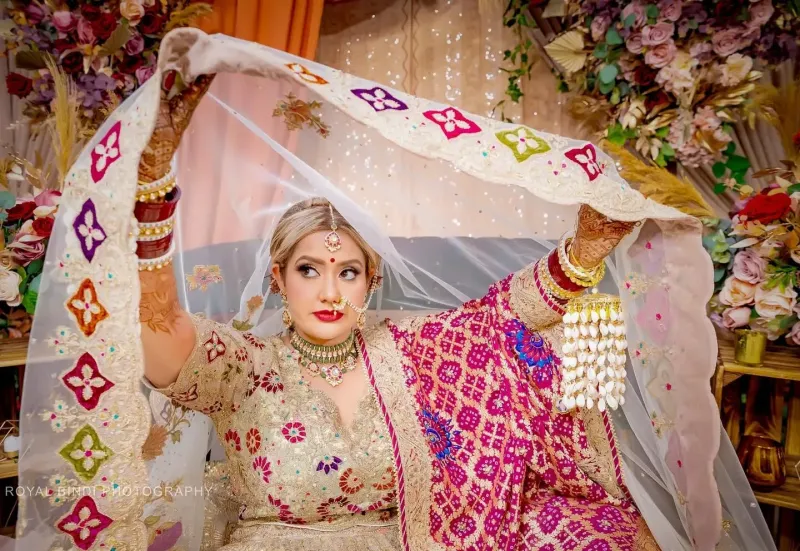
(74, 63)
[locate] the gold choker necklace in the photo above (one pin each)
(329, 362)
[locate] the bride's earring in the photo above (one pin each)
(287, 317)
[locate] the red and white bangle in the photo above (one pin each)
(148, 192)
(157, 263)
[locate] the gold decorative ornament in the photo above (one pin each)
(750, 347)
(328, 362)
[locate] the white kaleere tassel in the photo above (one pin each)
(594, 353)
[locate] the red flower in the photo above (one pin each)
(61, 45)
(796, 140)
(43, 226)
(151, 23)
(90, 12)
(18, 85)
(130, 63)
(350, 483)
(253, 440)
(21, 211)
(104, 25)
(232, 439)
(645, 75)
(72, 63)
(654, 100)
(263, 468)
(766, 208)
(294, 432)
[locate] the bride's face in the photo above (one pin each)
(314, 279)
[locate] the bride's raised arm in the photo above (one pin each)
(540, 291)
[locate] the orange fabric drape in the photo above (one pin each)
(288, 25)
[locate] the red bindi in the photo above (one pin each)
(333, 260)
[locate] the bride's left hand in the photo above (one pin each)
(596, 236)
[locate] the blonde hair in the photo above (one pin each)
(311, 216)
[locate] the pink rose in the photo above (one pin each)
(661, 55)
(27, 247)
(144, 73)
(35, 13)
(635, 8)
(727, 42)
(64, 21)
(653, 35)
(733, 318)
(774, 302)
(670, 9)
(794, 335)
(634, 43)
(600, 25)
(134, 45)
(706, 119)
(737, 293)
(701, 50)
(47, 198)
(750, 267)
(761, 12)
(85, 32)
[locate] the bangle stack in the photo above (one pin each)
(155, 213)
(579, 276)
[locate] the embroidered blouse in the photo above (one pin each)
(472, 385)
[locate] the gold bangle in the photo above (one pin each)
(582, 277)
(552, 287)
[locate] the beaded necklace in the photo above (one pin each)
(328, 362)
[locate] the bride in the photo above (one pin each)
(472, 419)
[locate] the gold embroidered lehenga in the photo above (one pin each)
(462, 444)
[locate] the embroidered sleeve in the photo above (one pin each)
(216, 375)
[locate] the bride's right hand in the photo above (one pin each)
(174, 116)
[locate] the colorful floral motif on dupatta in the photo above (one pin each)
(506, 465)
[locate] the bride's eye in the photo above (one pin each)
(349, 274)
(307, 271)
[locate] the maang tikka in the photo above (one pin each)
(332, 241)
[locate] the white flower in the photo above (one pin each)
(520, 138)
(85, 454)
(87, 382)
(380, 100)
(89, 233)
(775, 302)
(106, 153)
(9, 287)
(450, 121)
(89, 307)
(737, 293)
(735, 70)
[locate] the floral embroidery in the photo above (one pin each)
(350, 483)
(241, 355)
(305, 74)
(90, 234)
(253, 440)
(333, 508)
(387, 481)
(84, 523)
(439, 433)
(586, 158)
(522, 142)
(106, 152)
(379, 99)
(214, 347)
(284, 513)
(233, 441)
(262, 466)
(86, 381)
(86, 309)
(452, 122)
(187, 396)
(329, 464)
(203, 276)
(254, 341)
(86, 453)
(269, 381)
(533, 350)
(216, 407)
(297, 113)
(294, 432)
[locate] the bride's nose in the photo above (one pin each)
(330, 289)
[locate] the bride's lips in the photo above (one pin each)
(328, 316)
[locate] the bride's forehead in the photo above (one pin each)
(314, 245)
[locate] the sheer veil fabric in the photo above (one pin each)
(499, 197)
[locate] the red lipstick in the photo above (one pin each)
(328, 316)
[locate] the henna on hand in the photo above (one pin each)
(159, 307)
(596, 236)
